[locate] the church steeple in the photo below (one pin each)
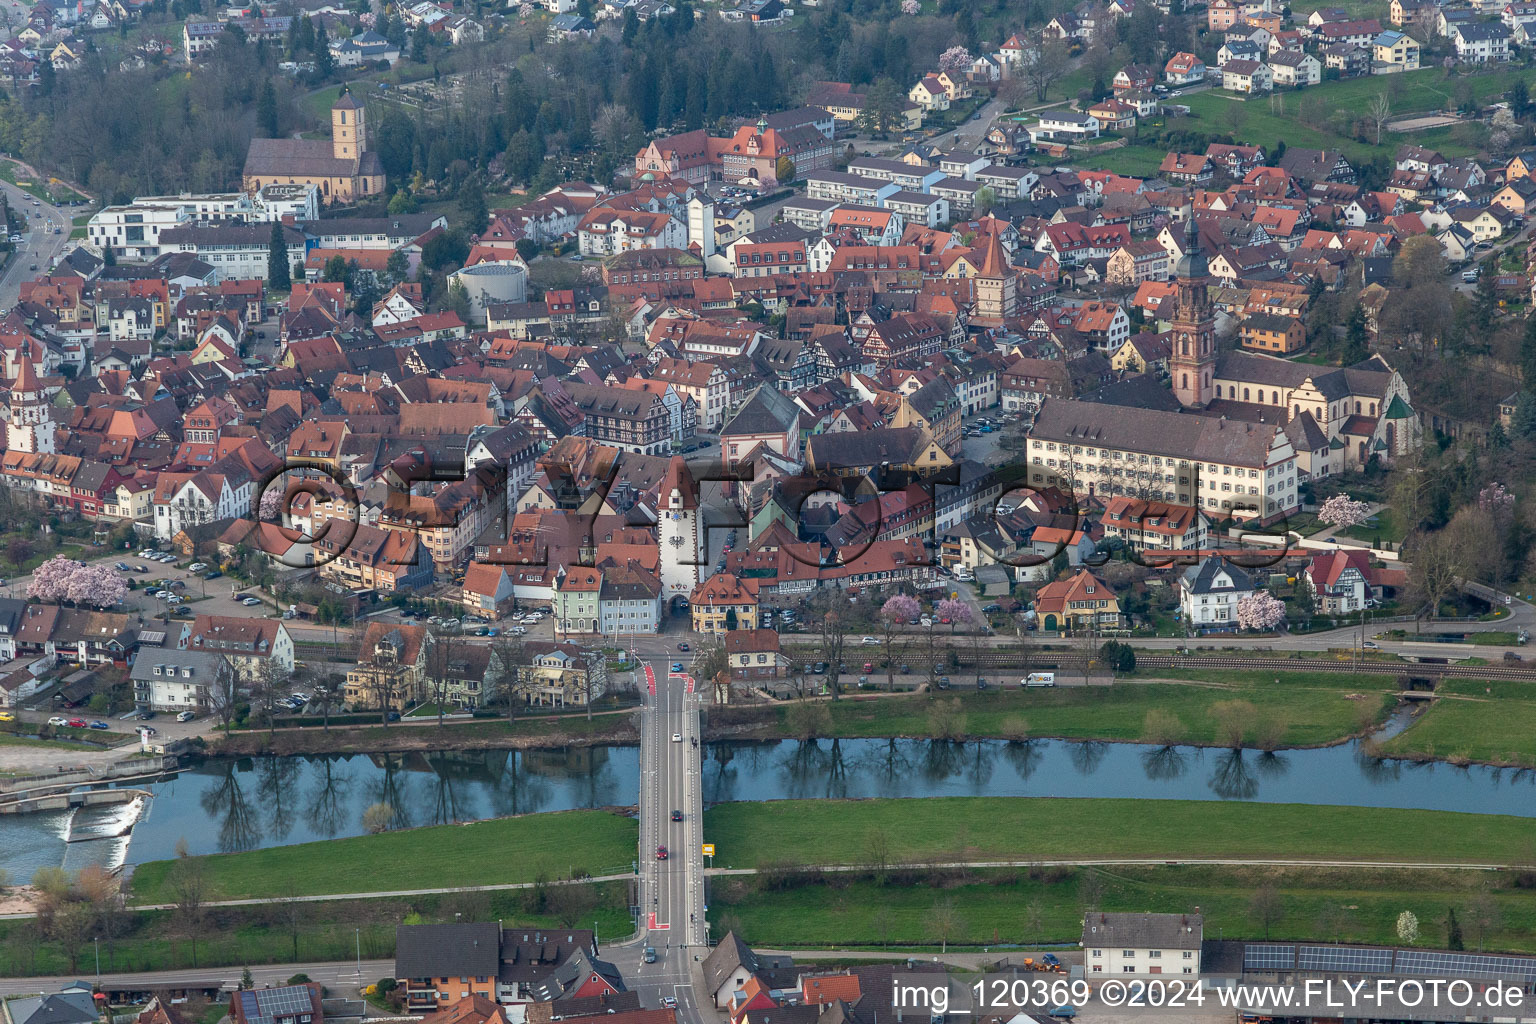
(29, 425)
(1193, 363)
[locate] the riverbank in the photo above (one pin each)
(296, 932)
(1263, 709)
(1023, 829)
(523, 849)
(611, 727)
(1472, 722)
(1045, 905)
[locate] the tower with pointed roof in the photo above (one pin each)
(996, 288)
(1193, 363)
(679, 530)
(29, 417)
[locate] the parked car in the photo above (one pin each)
(123, 567)
(100, 725)
(197, 567)
(78, 723)
(870, 641)
(57, 721)
(185, 716)
(7, 716)
(215, 574)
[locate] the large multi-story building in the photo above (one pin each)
(1223, 467)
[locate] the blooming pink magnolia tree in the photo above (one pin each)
(957, 612)
(1495, 500)
(910, 7)
(1342, 510)
(956, 58)
(901, 608)
(272, 503)
(1260, 611)
(64, 579)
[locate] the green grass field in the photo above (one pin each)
(1024, 829)
(306, 932)
(1305, 709)
(1493, 722)
(1385, 528)
(1046, 906)
(1253, 120)
(480, 853)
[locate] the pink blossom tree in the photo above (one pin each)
(1343, 511)
(901, 608)
(910, 7)
(957, 612)
(64, 579)
(50, 579)
(95, 585)
(954, 59)
(1260, 611)
(272, 503)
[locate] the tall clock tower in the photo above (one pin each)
(679, 530)
(1193, 363)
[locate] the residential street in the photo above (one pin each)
(40, 246)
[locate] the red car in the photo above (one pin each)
(661, 853)
(77, 723)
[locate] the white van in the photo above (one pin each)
(1039, 679)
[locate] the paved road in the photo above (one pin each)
(671, 890)
(40, 246)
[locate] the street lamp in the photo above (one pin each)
(97, 940)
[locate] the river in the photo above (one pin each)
(232, 805)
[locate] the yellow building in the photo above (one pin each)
(724, 603)
(344, 169)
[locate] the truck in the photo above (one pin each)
(1039, 679)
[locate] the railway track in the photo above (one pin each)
(1036, 659)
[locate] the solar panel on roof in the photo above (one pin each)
(1465, 965)
(1344, 960)
(1260, 957)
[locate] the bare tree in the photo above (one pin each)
(442, 650)
(1482, 916)
(1380, 112)
(510, 655)
(829, 608)
(189, 889)
(1046, 64)
(1234, 719)
(945, 922)
(224, 701)
(878, 849)
(1437, 561)
(1266, 908)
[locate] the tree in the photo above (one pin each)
(64, 579)
(1453, 931)
(955, 60)
(1234, 719)
(266, 111)
(1407, 928)
(1260, 611)
(945, 921)
(246, 981)
(378, 818)
(420, 40)
(1045, 65)
(828, 608)
(986, 199)
(457, 300)
(1482, 916)
(910, 7)
(1435, 562)
(277, 260)
(784, 170)
(884, 106)
(189, 889)
(1341, 511)
(471, 204)
(336, 271)
(897, 610)
(1266, 908)
(1380, 112)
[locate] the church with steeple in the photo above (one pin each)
(1193, 362)
(344, 169)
